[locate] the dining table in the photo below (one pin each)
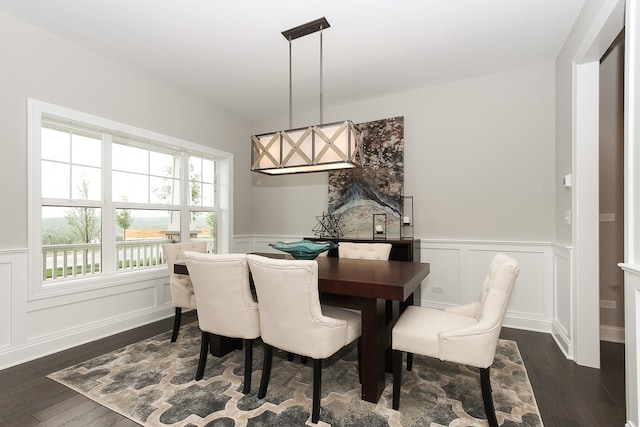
(379, 289)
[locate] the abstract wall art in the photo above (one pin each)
(377, 187)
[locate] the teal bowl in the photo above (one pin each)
(304, 249)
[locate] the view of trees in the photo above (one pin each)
(124, 219)
(165, 192)
(84, 222)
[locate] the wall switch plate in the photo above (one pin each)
(438, 289)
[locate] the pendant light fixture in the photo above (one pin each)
(315, 148)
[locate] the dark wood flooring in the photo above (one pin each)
(567, 394)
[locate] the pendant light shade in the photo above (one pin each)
(312, 149)
(315, 148)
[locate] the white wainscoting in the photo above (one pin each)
(458, 269)
(32, 329)
(563, 327)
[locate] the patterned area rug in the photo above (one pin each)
(151, 382)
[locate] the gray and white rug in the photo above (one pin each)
(151, 382)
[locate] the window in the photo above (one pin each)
(105, 197)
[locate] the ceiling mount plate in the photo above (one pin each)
(305, 29)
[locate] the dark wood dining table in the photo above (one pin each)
(380, 290)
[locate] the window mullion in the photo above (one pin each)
(185, 198)
(109, 247)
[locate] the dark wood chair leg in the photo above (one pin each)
(266, 371)
(176, 324)
(204, 350)
(248, 364)
(360, 359)
(409, 361)
(317, 379)
(290, 356)
(397, 378)
(485, 383)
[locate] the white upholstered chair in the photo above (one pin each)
(225, 304)
(292, 319)
(375, 251)
(181, 289)
(466, 334)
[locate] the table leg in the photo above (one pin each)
(374, 346)
(394, 309)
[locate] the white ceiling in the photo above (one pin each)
(232, 53)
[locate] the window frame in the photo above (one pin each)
(37, 110)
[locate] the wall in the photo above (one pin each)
(38, 65)
(479, 160)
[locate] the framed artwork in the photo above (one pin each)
(356, 195)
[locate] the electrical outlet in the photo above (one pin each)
(607, 304)
(438, 289)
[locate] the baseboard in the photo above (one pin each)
(562, 340)
(519, 321)
(612, 334)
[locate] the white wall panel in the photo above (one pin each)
(563, 296)
(5, 303)
(68, 317)
(444, 275)
(242, 245)
(13, 272)
(166, 294)
(529, 292)
(460, 268)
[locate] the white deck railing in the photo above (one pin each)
(82, 259)
(61, 261)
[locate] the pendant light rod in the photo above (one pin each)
(321, 85)
(295, 33)
(290, 88)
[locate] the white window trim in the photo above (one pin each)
(36, 109)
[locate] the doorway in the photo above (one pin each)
(611, 192)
